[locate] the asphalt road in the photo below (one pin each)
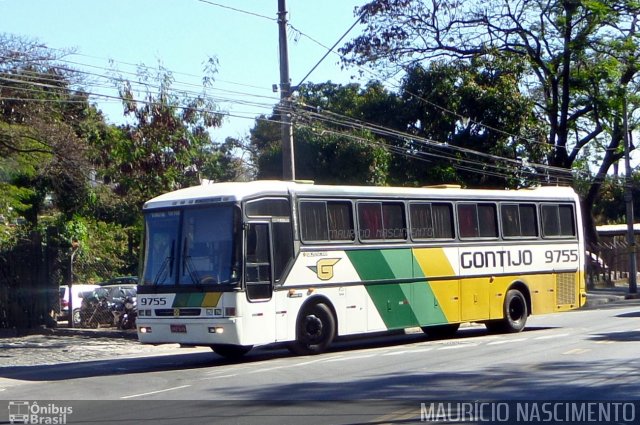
(574, 356)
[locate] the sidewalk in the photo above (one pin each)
(64, 345)
(608, 294)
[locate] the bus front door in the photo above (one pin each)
(258, 274)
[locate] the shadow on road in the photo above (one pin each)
(118, 366)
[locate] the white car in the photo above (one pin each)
(78, 290)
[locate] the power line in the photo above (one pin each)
(246, 12)
(328, 116)
(329, 50)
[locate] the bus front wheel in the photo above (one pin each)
(230, 351)
(515, 314)
(315, 330)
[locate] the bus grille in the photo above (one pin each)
(566, 288)
(169, 312)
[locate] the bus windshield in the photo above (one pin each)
(192, 246)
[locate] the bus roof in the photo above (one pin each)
(239, 191)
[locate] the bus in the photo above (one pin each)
(236, 265)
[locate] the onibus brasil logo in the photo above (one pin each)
(26, 412)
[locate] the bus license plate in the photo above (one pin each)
(180, 329)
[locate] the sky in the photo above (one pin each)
(182, 34)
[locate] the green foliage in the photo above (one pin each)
(326, 152)
(42, 152)
(475, 105)
(333, 158)
(167, 146)
(104, 251)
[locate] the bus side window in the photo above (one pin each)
(477, 221)
(258, 265)
(519, 220)
(558, 220)
(431, 221)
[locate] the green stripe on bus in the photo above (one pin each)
(370, 264)
(399, 305)
(193, 299)
(392, 304)
(428, 311)
(427, 308)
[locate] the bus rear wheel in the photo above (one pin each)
(230, 351)
(515, 314)
(315, 330)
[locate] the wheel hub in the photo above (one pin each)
(313, 326)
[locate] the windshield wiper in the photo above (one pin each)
(168, 261)
(187, 264)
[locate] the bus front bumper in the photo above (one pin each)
(189, 332)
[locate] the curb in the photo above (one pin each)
(88, 333)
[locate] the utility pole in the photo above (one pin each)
(286, 131)
(628, 197)
(74, 250)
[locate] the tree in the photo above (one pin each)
(459, 109)
(582, 58)
(167, 146)
(41, 147)
(325, 151)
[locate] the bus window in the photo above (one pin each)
(322, 221)
(519, 220)
(313, 221)
(282, 247)
(381, 220)
(160, 241)
(477, 221)
(528, 220)
(431, 221)
(268, 207)
(558, 220)
(340, 221)
(258, 262)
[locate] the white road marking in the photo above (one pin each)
(453, 347)
(506, 341)
(317, 360)
(155, 392)
(396, 353)
(422, 350)
(551, 336)
(339, 359)
(576, 351)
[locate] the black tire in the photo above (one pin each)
(441, 331)
(230, 351)
(315, 330)
(515, 313)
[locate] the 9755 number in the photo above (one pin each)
(153, 301)
(561, 256)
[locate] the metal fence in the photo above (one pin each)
(608, 263)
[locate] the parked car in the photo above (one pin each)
(105, 304)
(78, 291)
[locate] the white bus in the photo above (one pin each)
(234, 265)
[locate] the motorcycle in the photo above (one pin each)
(128, 314)
(96, 310)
